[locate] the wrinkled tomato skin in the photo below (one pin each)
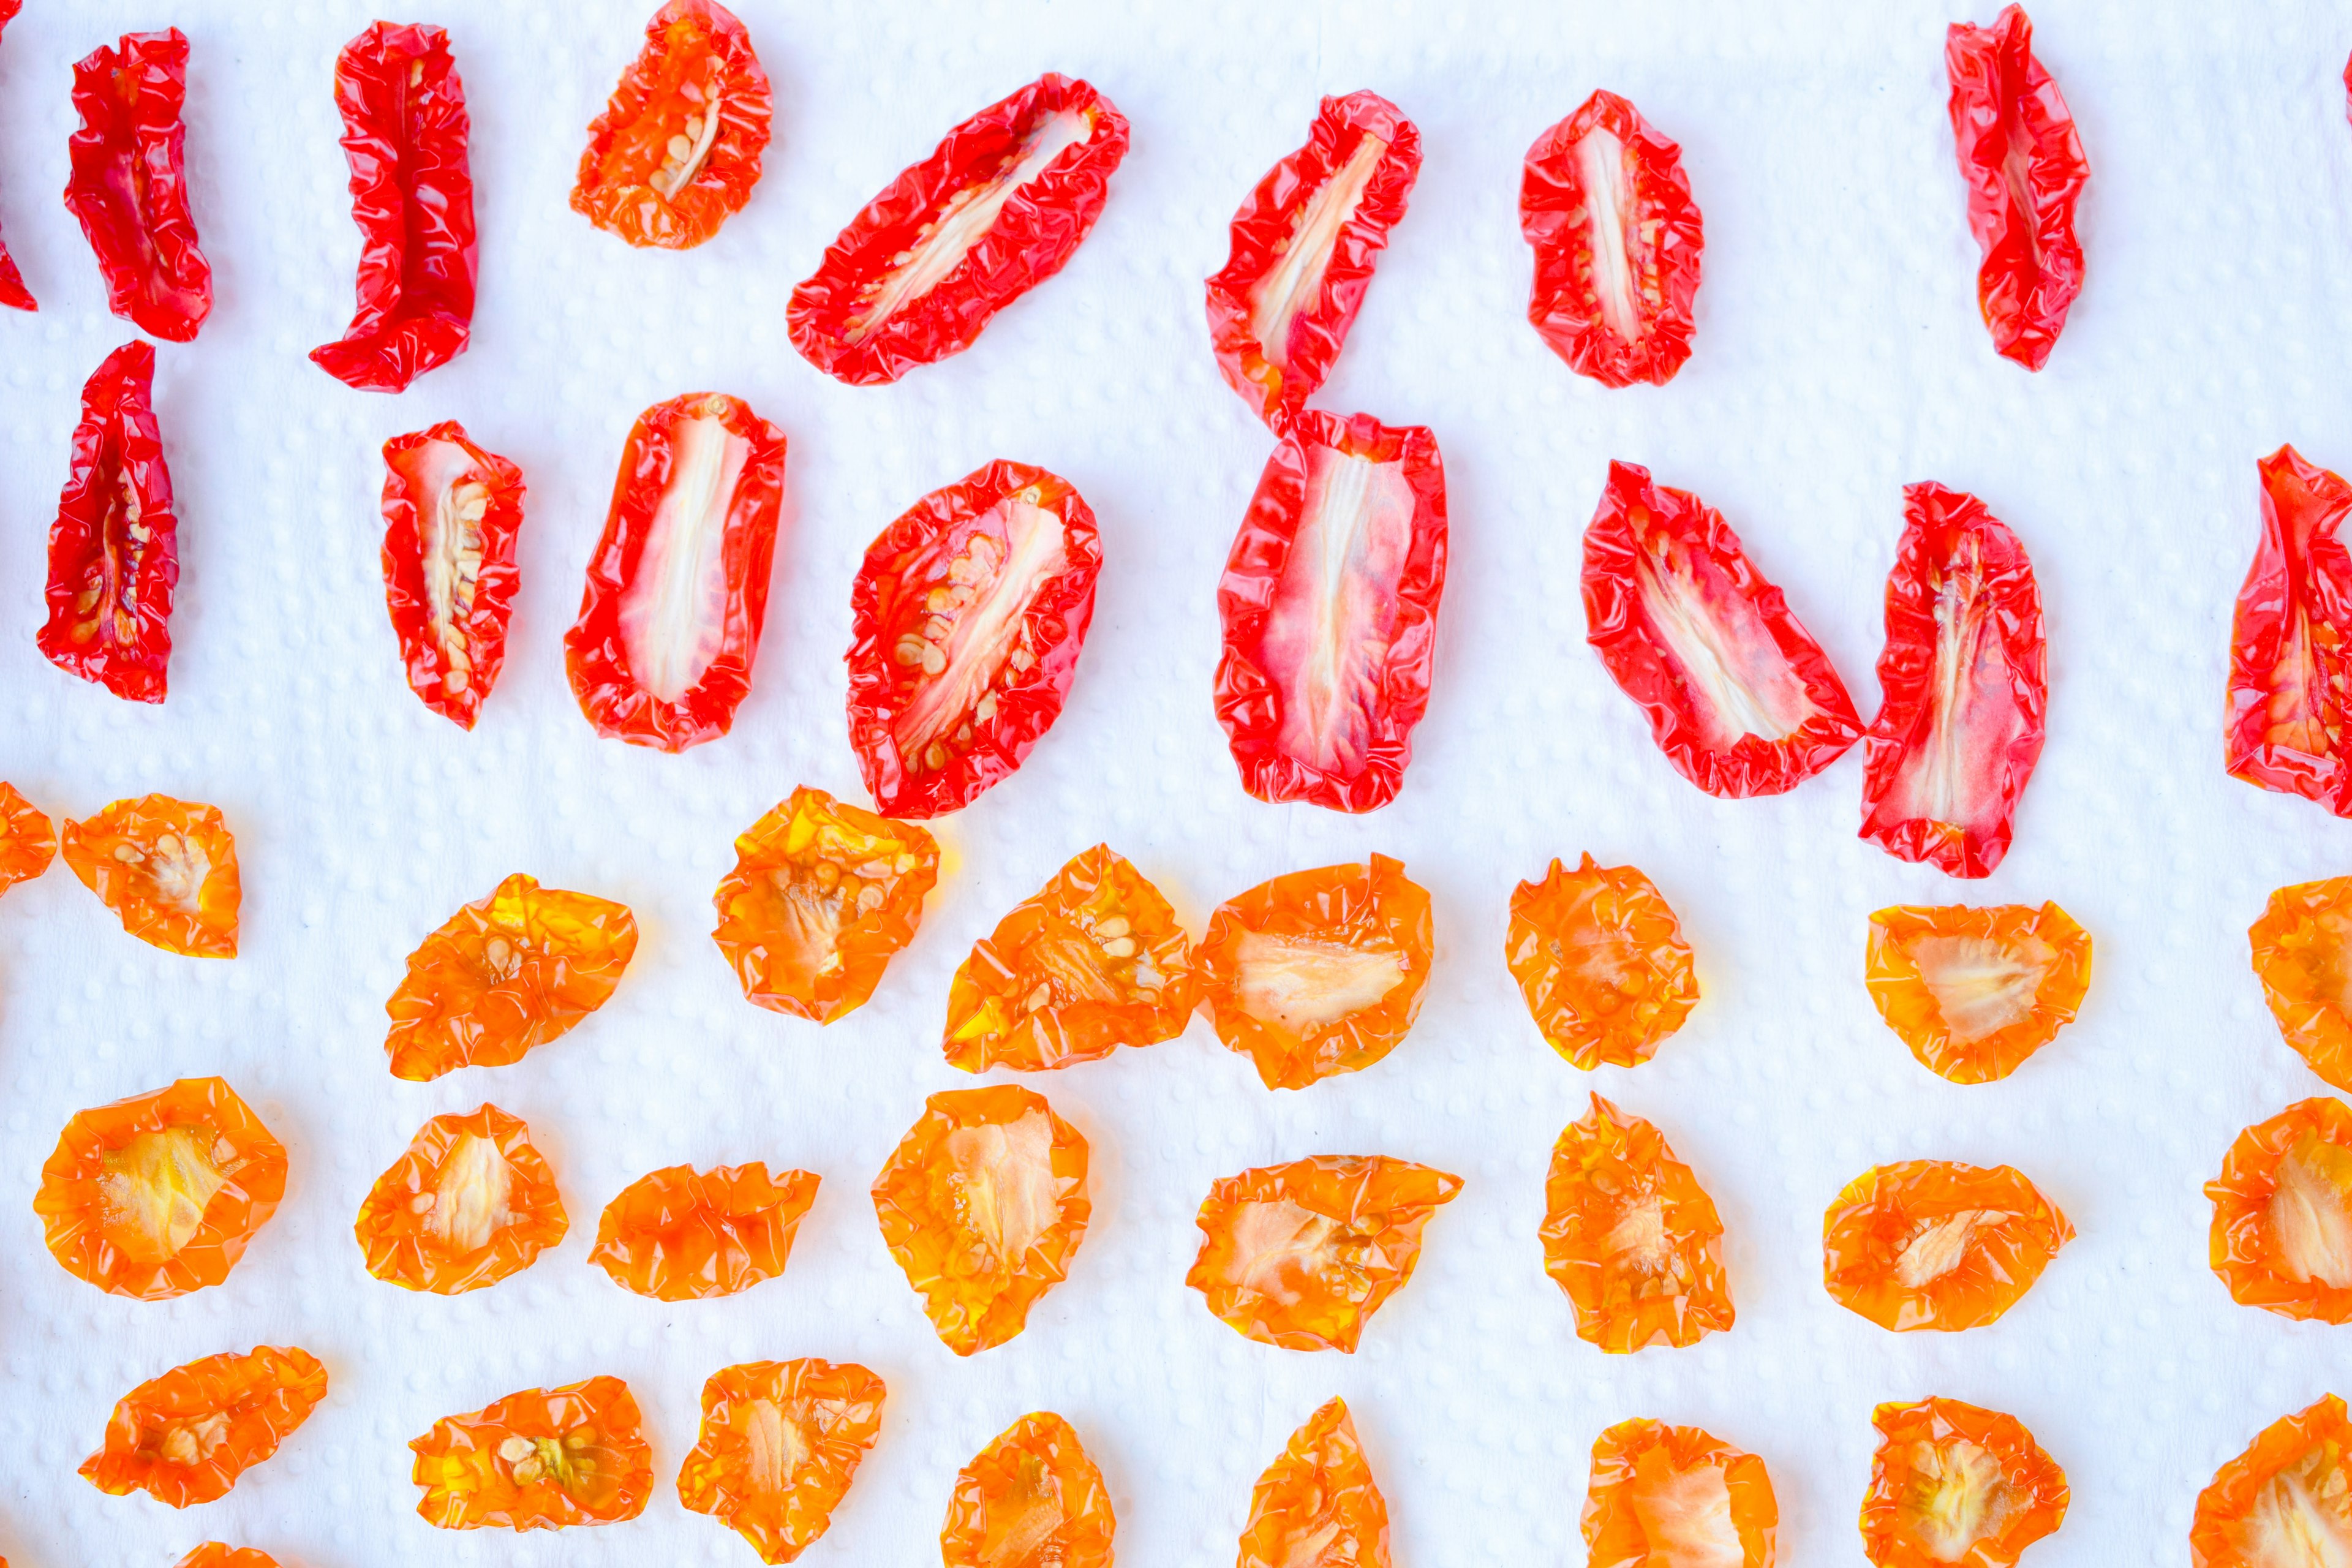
(1898, 1220)
(1574, 922)
(1605, 1170)
(219, 1555)
(404, 1246)
(115, 550)
(1035, 233)
(1636, 1466)
(1319, 1491)
(683, 1235)
(28, 841)
(2290, 683)
(515, 1465)
(2299, 1160)
(629, 180)
(139, 856)
(186, 1436)
(129, 187)
(457, 696)
(2308, 1455)
(2303, 956)
(1035, 1482)
(1903, 999)
(1912, 1476)
(13, 292)
(890, 609)
(835, 1413)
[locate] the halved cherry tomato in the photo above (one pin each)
(186, 1436)
(544, 1458)
(129, 184)
(781, 1441)
(1952, 1483)
(1033, 1496)
(1934, 1244)
(1974, 992)
(1600, 959)
(166, 867)
(114, 552)
(27, 840)
(451, 514)
(2286, 1500)
(2290, 702)
(1630, 1237)
(2303, 956)
(2281, 1234)
(470, 1203)
(676, 151)
(1318, 1502)
(1676, 1496)
(684, 1235)
(13, 292)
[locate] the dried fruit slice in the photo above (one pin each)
(1974, 992)
(983, 1204)
(1934, 1244)
(13, 292)
(1302, 1254)
(1600, 959)
(1630, 1237)
(219, 1555)
(184, 1438)
(781, 1442)
(505, 974)
(469, 1204)
(1030, 1498)
(1318, 1504)
(114, 552)
(129, 182)
(157, 1195)
(1954, 1483)
(822, 896)
(1738, 695)
(166, 867)
(968, 616)
(451, 515)
(1318, 972)
(1093, 961)
(1675, 1496)
(542, 1459)
(2282, 1214)
(682, 1235)
(676, 151)
(27, 840)
(2286, 1501)
(2303, 956)
(2290, 684)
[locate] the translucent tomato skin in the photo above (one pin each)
(129, 182)
(1595, 1023)
(1601, 1167)
(1320, 1488)
(626, 169)
(1635, 1455)
(2316, 1443)
(115, 854)
(13, 292)
(2243, 1249)
(2036, 1486)
(2301, 950)
(407, 597)
(681, 1235)
(837, 1412)
(2294, 611)
(395, 1235)
(1037, 1459)
(1882, 1212)
(219, 1555)
(112, 569)
(1911, 1010)
(186, 1436)
(491, 1467)
(28, 841)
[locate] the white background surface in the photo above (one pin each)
(1839, 354)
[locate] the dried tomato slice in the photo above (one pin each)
(504, 975)
(451, 514)
(2287, 1499)
(1934, 1244)
(2024, 170)
(1974, 992)
(129, 187)
(1330, 606)
(1302, 1254)
(683, 1235)
(1600, 959)
(1955, 1483)
(114, 550)
(405, 129)
(2303, 956)
(542, 1459)
(676, 151)
(166, 867)
(1738, 695)
(1676, 1496)
(1031, 1496)
(968, 617)
(677, 589)
(1630, 1237)
(2290, 684)
(1617, 239)
(186, 1436)
(27, 840)
(13, 292)
(822, 896)
(2281, 1234)
(1304, 243)
(1966, 684)
(1318, 1503)
(219, 1555)
(1091, 962)
(998, 208)
(470, 1203)
(983, 1204)
(780, 1443)
(158, 1195)
(1318, 972)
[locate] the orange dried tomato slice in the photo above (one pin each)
(681, 1235)
(2303, 956)
(1318, 972)
(2282, 1214)
(1675, 1496)
(1631, 1237)
(1094, 962)
(157, 1195)
(983, 1204)
(1318, 1503)
(166, 867)
(1953, 1483)
(541, 1459)
(469, 1204)
(1974, 992)
(1030, 1498)
(2287, 1499)
(184, 1438)
(27, 840)
(1302, 1254)
(821, 897)
(218, 1555)
(1600, 959)
(1934, 1244)
(781, 1442)
(505, 974)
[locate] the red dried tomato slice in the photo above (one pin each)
(2290, 684)
(999, 207)
(451, 513)
(677, 589)
(1329, 604)
(114, 552)
(13, 291)
(1304, 246)
(2024, 170)
(130, 185)
(1966, 684)
(676, 151)
(405, 130)
(968, 616)
(1617, 240)
(186, 1436)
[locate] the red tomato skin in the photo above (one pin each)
(129, 184)
(117, 447)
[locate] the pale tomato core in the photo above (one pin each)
(775, 1448)
(1982, 987)
(451, 500)
(1958, 1497)
(975, 624)
(2310, 1214)
(1276, 1244)
(155, 1190)
(1303, 985)
(1740, 682)
(1609, 218)
(1006, 1194)
(1294, 282)
(1954, 774)
(1685, 1515)
(2302, 1516)
(673, 614)
(1941, 1246)
(473, 1195)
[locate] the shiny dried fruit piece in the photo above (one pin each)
(129, 184)
(1934, 1244)
(505, 974)
(1092, 961)
(2303, 956)
(114, 552)
(27, 840)
(1954, 1483)
(166, 867)
(157, 1195)
(184, 1438)
(13, 292)
(451, 514)
(683, 1235)
(1318, 972)
(1318, 1504)
(1630, 1237)
(1676, 1496)
(1302, 1254)
(1600, 959)
(1031, 1497)
(983, 1204)
(219, 1555)
(469, 1204)
(781, 1442)
(2282, 1214)
(2286, 1501)
(2290, 684)
(821, 897)
(1974, 992)
(542, 1459)
(676, 151)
